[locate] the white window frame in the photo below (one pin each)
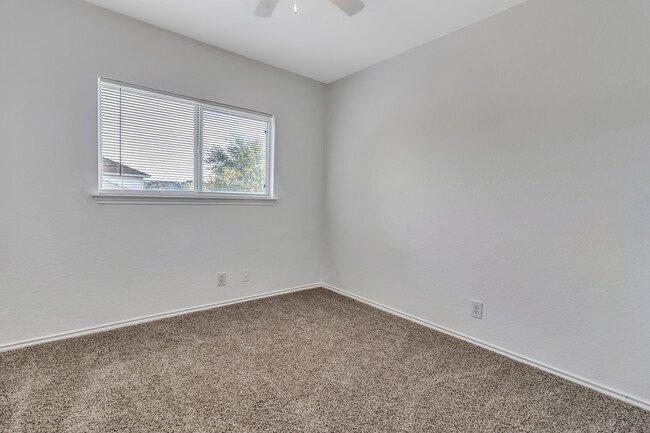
(198, 197)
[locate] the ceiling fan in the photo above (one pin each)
(265, 7)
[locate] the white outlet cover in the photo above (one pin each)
(221, 279)
(245, 275)
(477, 309)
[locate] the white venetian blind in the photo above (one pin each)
(152, 141)
(234, 152)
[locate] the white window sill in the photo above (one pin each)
(108, 198)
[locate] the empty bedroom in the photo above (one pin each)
(325, 216)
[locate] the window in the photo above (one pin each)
(157, 144)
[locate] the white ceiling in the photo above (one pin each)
(320, 42)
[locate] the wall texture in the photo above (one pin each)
(67, 262)
(508, 162)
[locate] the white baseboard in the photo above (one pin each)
(517, 357)
(143, 319)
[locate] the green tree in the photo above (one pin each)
(168, 185)
(238, 167)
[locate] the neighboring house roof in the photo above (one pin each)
(112, 167)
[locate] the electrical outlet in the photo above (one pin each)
(477, 309)
(221, 279)
(245, 275)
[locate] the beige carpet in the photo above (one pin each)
(310, 361)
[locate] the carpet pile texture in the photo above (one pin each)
(310, 361)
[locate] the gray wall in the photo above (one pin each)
(508, 162)
(68, 263)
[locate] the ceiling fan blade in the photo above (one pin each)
(265, 8)
(350, 7)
